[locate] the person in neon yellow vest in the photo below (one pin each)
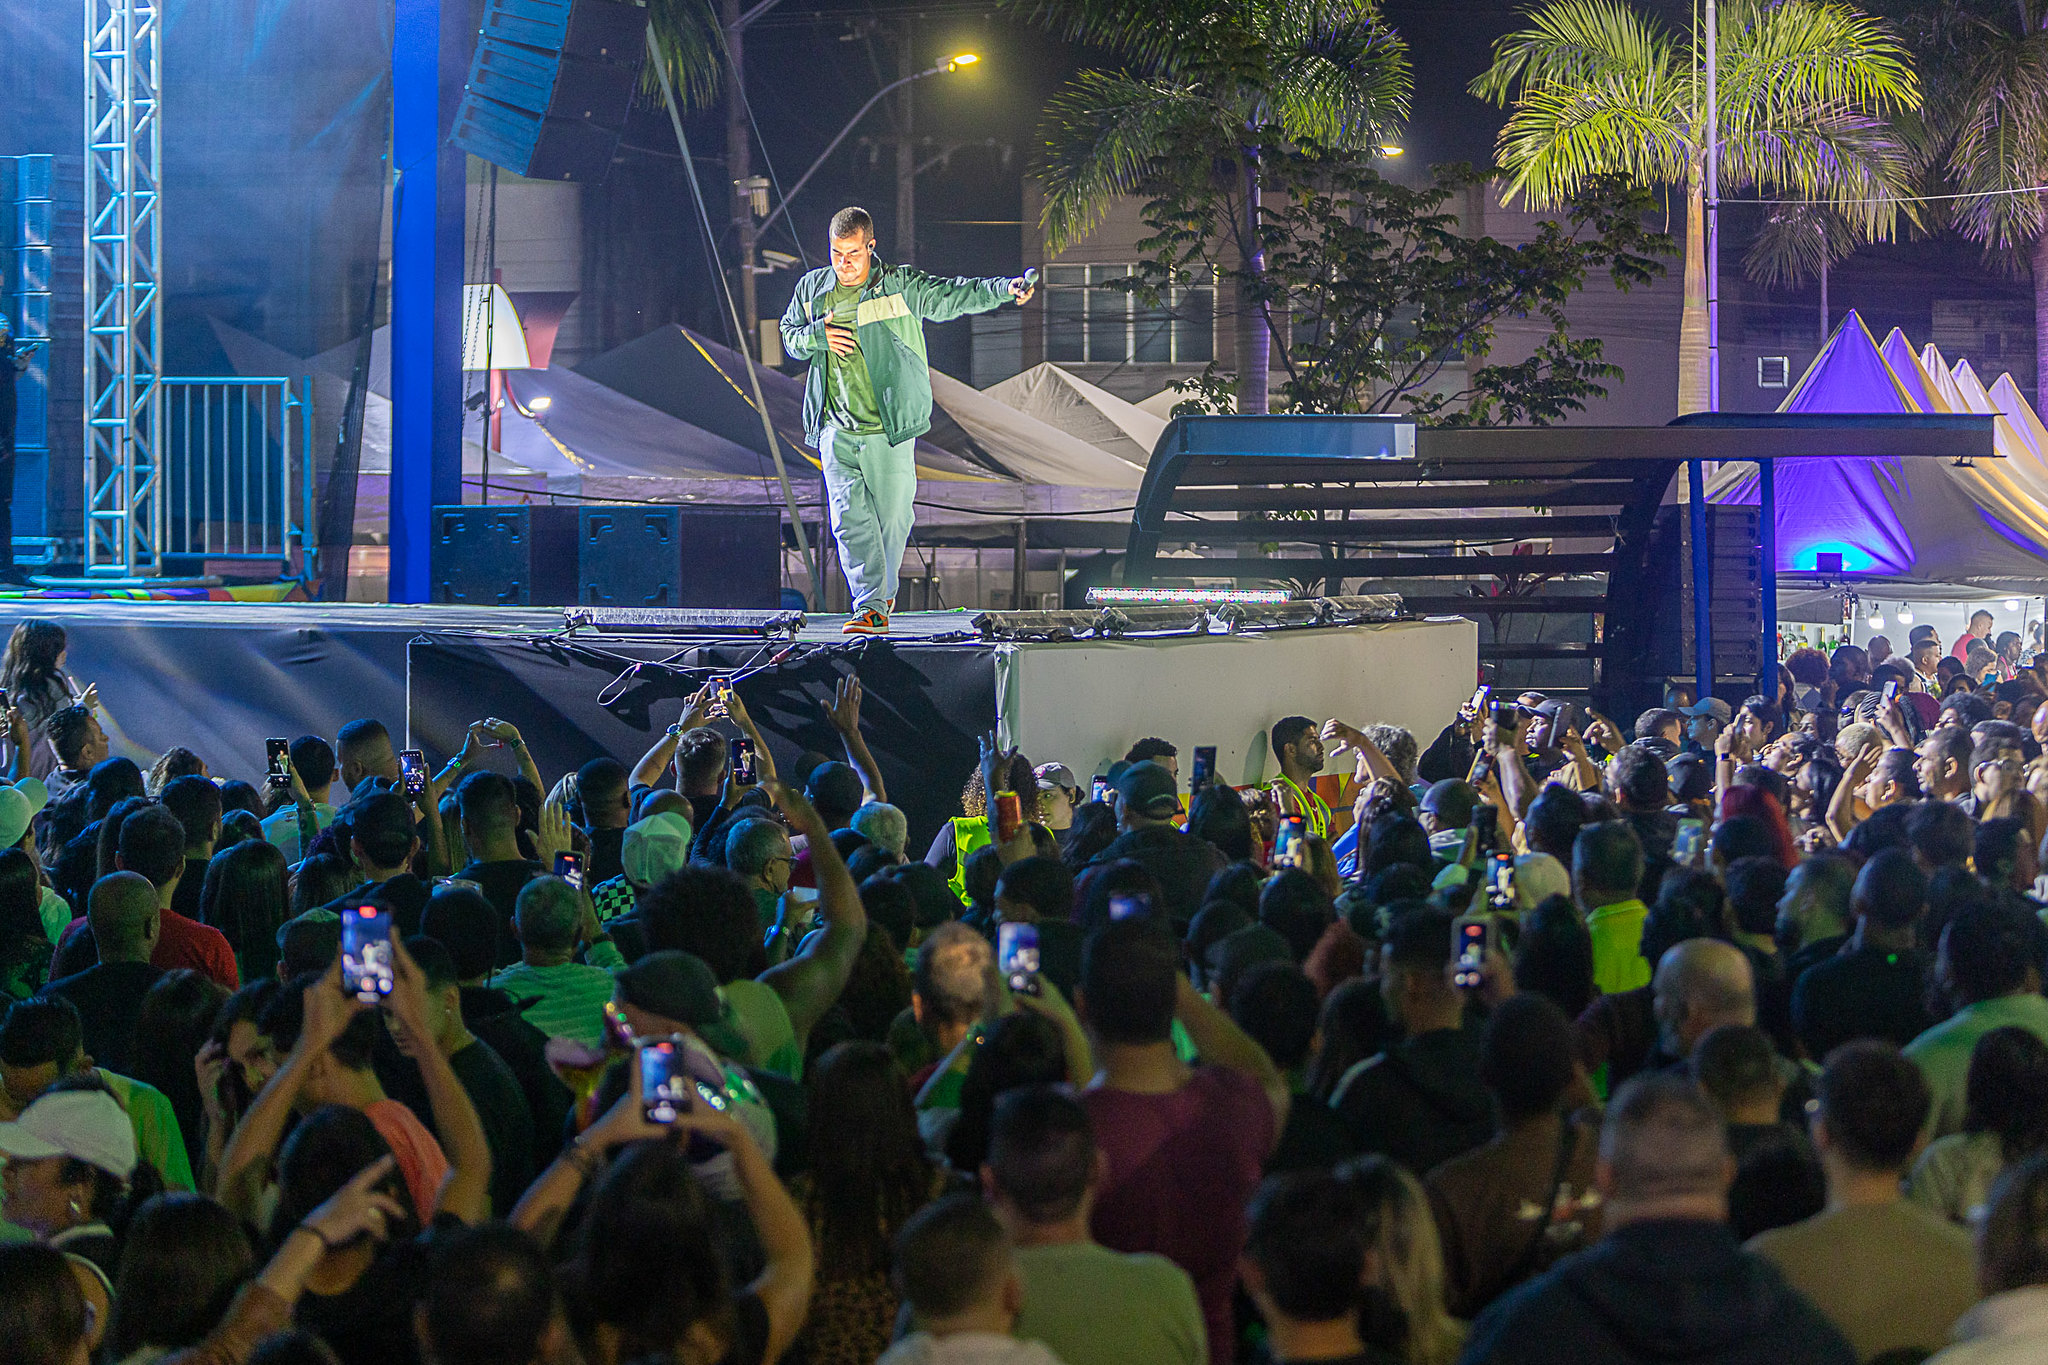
(1300, 751)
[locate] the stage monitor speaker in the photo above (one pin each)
(505, 556)
(550, 85)
(680, 557)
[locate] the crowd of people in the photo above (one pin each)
(1721, 1038)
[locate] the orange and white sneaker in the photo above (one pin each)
(869, 621)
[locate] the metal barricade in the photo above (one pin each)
(239, 471)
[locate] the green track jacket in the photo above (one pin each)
(894, 306)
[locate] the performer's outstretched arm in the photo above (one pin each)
(937, 298)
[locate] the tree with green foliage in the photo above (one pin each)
(1209, 96)
(1806, 89)
(1391, 307)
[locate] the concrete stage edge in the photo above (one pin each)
(221, 677)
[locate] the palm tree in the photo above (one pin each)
(686, 33)
(1804, 90)
(1800, 242)
(1208, 89)
(1987, 129)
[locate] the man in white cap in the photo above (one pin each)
(49, 1197)
(652, 847)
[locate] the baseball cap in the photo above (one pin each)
(653, 847)
(1149, 790)
(86, 1125)
(1710, 706)
(675, 985)
(1059, 775)
(1539, 876)
(18, 805)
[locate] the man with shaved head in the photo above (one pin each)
(125, 920)
(1667, 1280)
(1700, 985)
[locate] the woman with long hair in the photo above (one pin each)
(177, 762)
(1407, 1259)
(24, 938)
(1024, 1048)
(176, 1018)
(185, 1259)
(247, 895)
(868, 1173)
(32, 672)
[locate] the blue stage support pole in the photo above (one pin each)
(1702, 583)
(429, 61)
(1767, 541)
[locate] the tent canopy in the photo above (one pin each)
(1922, 524)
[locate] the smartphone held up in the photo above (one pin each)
(367, 968)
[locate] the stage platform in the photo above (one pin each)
(220, 677)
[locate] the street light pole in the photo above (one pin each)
(739, 167)
(950, 64)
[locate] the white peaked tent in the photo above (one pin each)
(1923, 524)
(1066, 401)
(1035, 450)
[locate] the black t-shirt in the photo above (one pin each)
(508, 1122)
(109, 999)
(501, 882)
(370, 1322)
(1861, 993)
(604, 863)
(406, 894)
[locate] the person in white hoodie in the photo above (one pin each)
(2010, 1327)
(957, 1270)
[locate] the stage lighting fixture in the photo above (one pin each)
(2012, 604)
(1877, 618)
(541, 403)
(1905, 614)
(1192, 597)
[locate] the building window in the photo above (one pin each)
(1086, 322)
(1773, 371)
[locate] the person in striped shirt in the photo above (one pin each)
(554, 919)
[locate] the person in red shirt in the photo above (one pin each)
(1184, 1146)
(1980, 629)
(152, 842)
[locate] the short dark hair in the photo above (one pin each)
(284, 1018)
(1554, 820)
(701, 755)
(1654, 721)
(1041, 1151)
(487, 801)
(706, 912)
(1890, 891)
(603, 776)
(436, 963)
(1639, 777)
(1755, 885)
(1295, 906)
(364, 730)
(1526, 1056)
(1941, 833)
(949, 1254)
(1420, 939)
(41, 1030)
(1995, 847)
(851, 219)
(1044, 884)
(313, 760)
(152, 842)
(1607, 857)
(490, 1295)
(1289, 730)
(1989, 946)
(67, 731)
(1874, 1102)
(195, 801)
(1130, 970)
(1149, 749)
(1308, 1244)
(1734, 1062)
(467, 925)
(1275, 1003)
(382, 823)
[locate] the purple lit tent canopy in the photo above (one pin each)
(1926, 525)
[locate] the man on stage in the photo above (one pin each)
(869, 395)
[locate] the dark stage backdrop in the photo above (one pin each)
(222, 690)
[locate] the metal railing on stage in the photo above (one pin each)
(238, 467)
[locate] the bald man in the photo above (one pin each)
(125, 920)
(1700, 985)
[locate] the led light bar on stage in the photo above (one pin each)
(670, 620)
(1192, 597)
